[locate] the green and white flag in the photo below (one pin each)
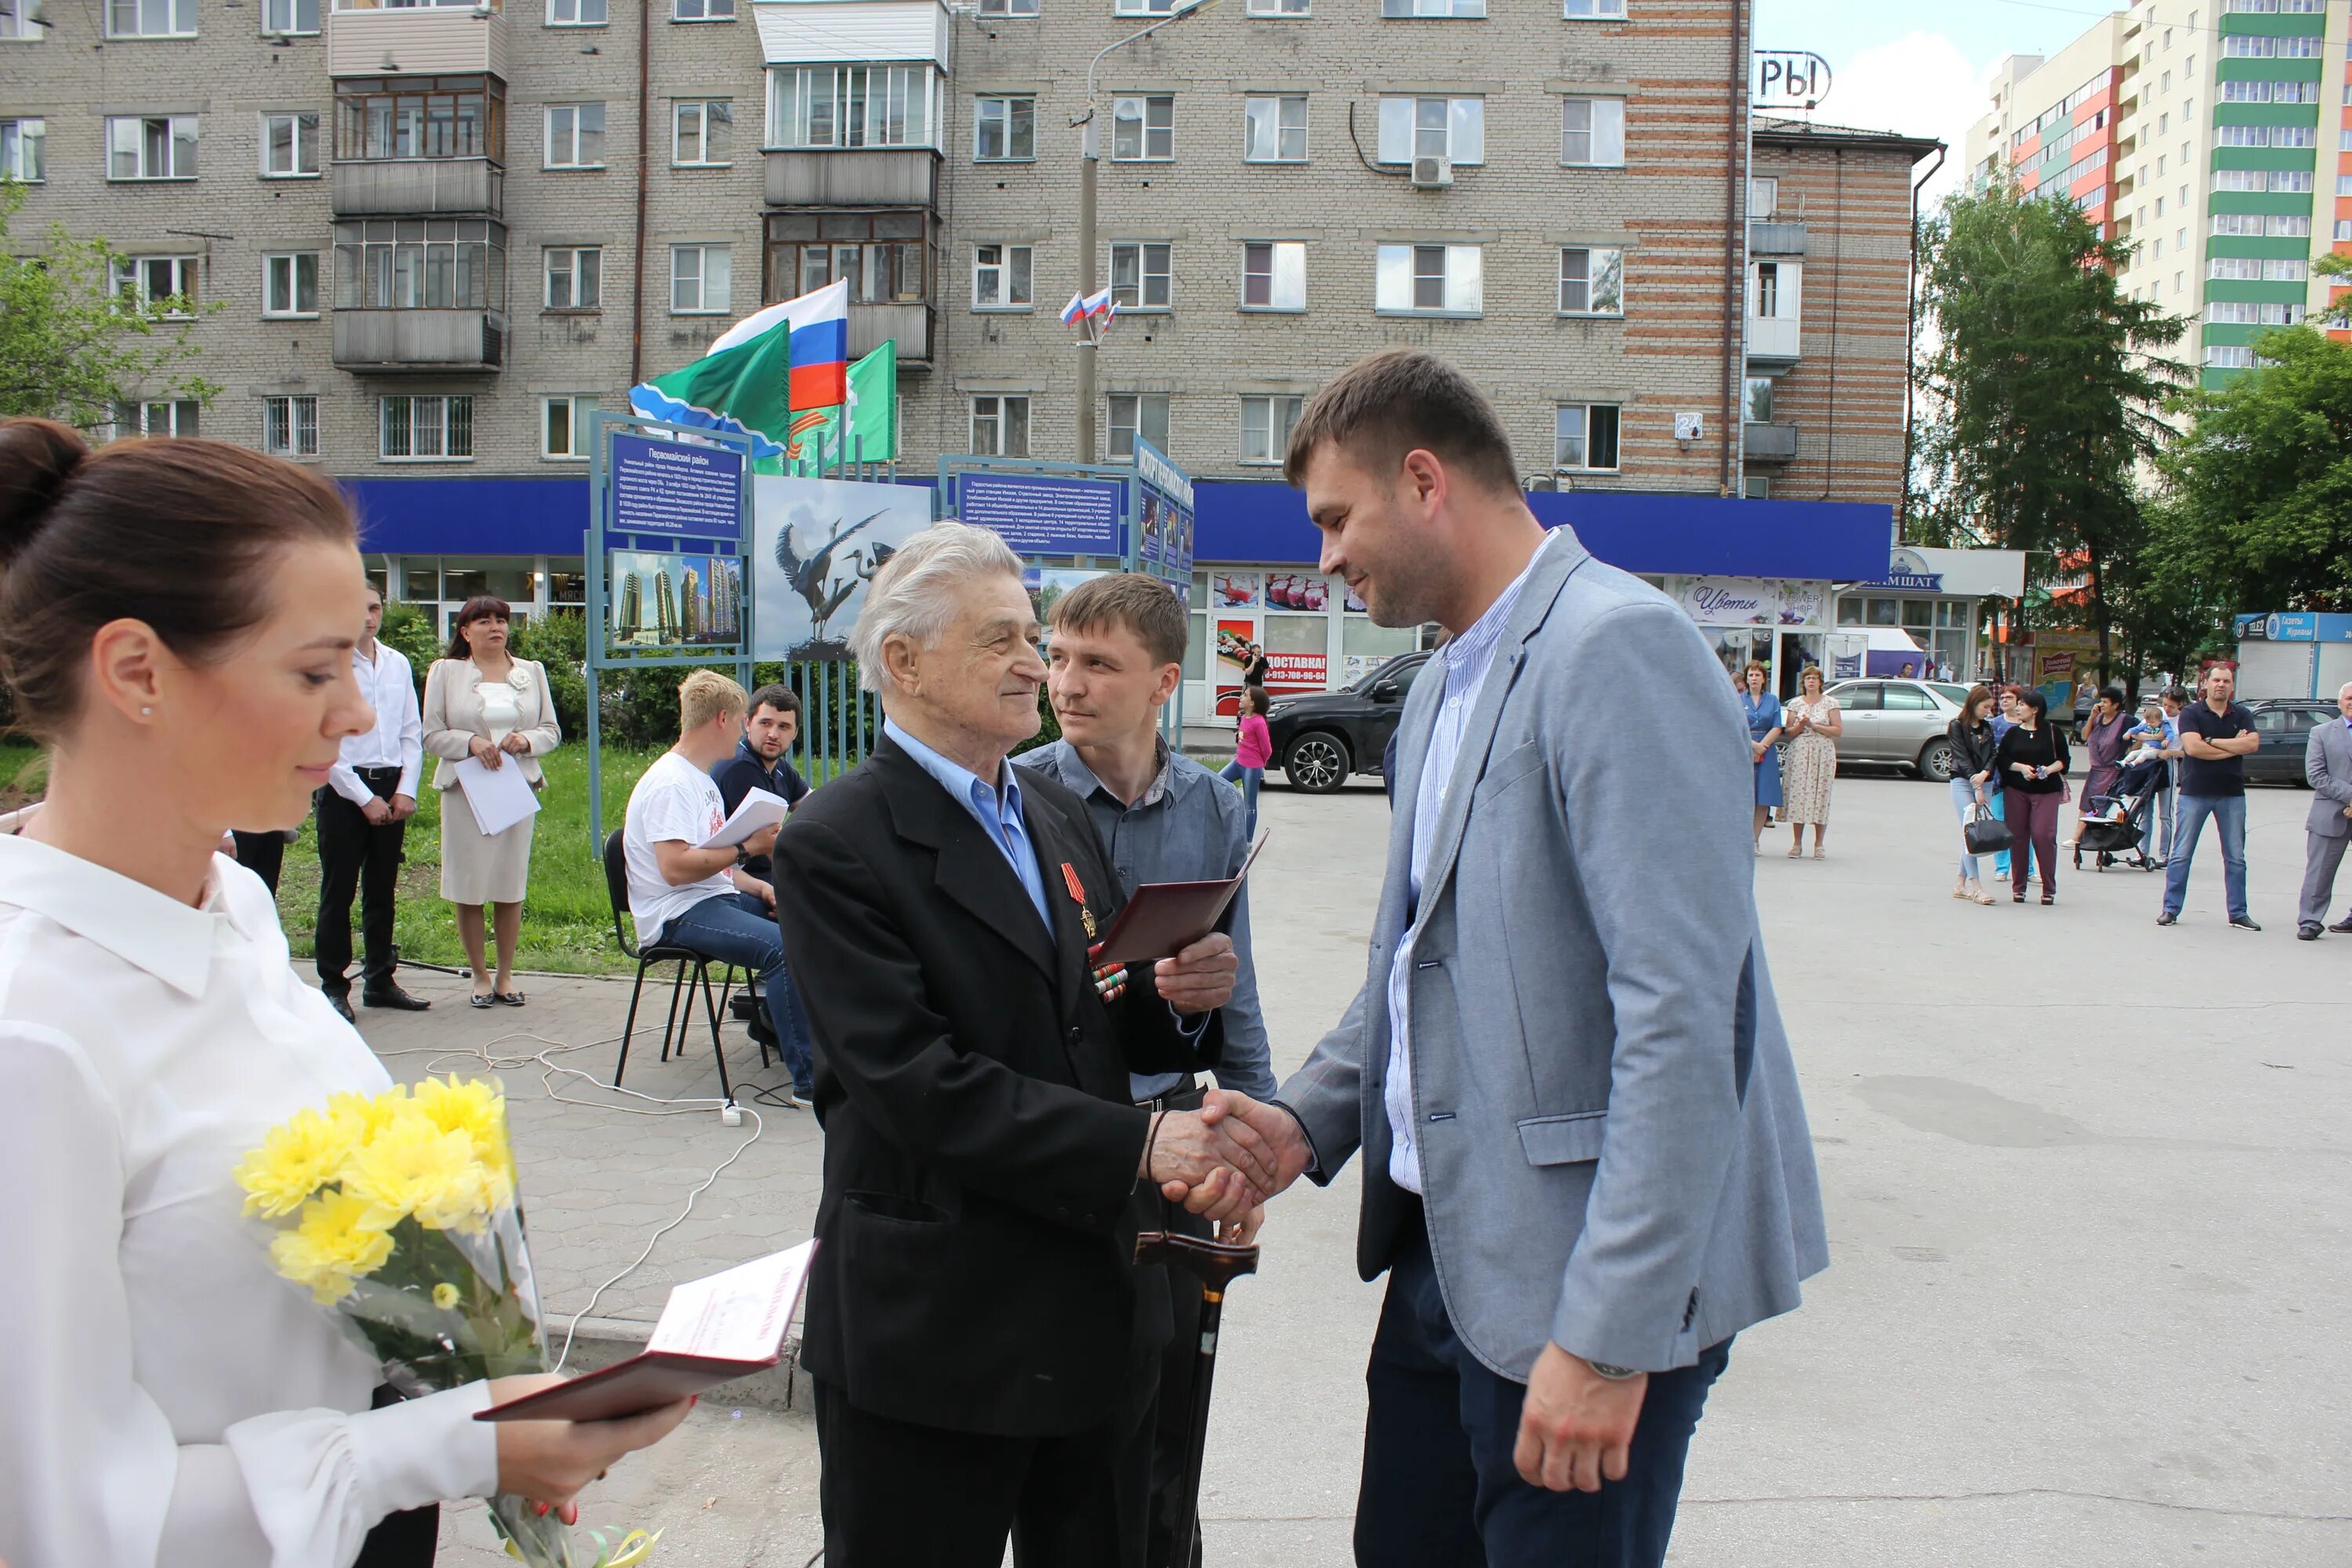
(871, 428)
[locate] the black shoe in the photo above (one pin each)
(2343, 926)
(342, 1004)
(390, 994)
(2168, 918)
(2307, 934)
(2245, 922)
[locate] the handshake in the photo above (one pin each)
(1223, 1161)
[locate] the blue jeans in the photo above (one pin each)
(1439, 1487)
(1964, 795)
(1249, 779)
(736, 928)
(2229, 813)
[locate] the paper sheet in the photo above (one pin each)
(499, 799)
(738, 1315)
(759, 809)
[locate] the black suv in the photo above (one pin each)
(1322, 737)
(2285, 724)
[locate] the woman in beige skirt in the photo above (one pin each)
(1814, 724)
(480, 701)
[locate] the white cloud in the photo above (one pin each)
(1921, 85)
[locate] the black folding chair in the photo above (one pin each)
(693, 973)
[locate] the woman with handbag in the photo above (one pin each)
(1976, 786)
(483, 702)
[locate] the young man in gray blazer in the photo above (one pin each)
(1586, 1163)
(2328, 767)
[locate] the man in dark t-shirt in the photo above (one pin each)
(2216, 734)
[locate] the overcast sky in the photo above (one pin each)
(1919, 65)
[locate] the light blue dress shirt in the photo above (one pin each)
(1467, 659)
(997, 809)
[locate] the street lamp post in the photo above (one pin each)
(1089, 125)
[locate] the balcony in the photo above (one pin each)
(1773, 341)
(419, 341)
(871, 326)
(411, 187)
(854, 177)
(416, 40)
(1769, 443)
(1769, 238)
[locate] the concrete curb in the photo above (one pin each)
(601, 1341)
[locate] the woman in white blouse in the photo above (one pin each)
(186, 610)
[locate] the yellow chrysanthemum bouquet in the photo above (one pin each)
(399, 1211)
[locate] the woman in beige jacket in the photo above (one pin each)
(480, 701)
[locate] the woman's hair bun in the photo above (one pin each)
(37, 458)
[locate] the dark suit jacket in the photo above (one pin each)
(975, 1267)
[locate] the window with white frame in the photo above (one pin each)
(289, 284)
(2287, 226)
(1000, 277)
(151, 147)
(1004, 129)
(1142, 129)
(1428, 280)
(289, 16)
(1274, 275)
(563, 427)
(1274, 130)
(426, 430)
(1774, 289)
(575, 276)
(158, 285)
(1000, 424)
(575, 136)
(702, 11)
(702, 132)
(151, 18)
(851, 106)
(1453, 128)
(577, 13)
(2294, 135)
(699, 279)
(23, 145)
(2223, 356)
(1756, 404)
(410, 264)
(1592, 132)
(158, 419)
(1265, 427)
(1595, 10)
(2234, 268)
(2344, 228)
(1763, 197)
(289, 146)
(1008, 7)
(1142, 7)
(1471, 9)
(1584, 437)
(1134, 413)
(21, 19)
(1140, 275)
(2344, 184)
(2247, 313)
(290, 426)
(2237, 223)
(1279, 8)
(1591, 280)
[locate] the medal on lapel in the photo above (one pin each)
(1078, 896)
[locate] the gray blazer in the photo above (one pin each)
(1612, 1150)
(453, 716)
(2327, 764)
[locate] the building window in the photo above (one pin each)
(2245, 313)
(1584, 437)
(702, 132)
(162, 286)
(23, 150)
(699, 279)
(1142, 129)
(1274, 275)
(425, 117)
(1142, 7)
(2220, 357)
(1137, 412)
(576, 13)
(702, 11)
(1274, 130)
(2237, 223)
(409, 264)
(576, 277)
(21, 19)
(1008, 7)
(2284, 225)
(1000, 277)
(289, 284)
(575, 136)
(289, 146)
(1428, 280)
(1592, 281)
(2344, 228)
(1005, 130)
(151, 18)
(290, 426)
(1592, 132)
(999, 426)
(1453, 128)
(1756, 404)
(1139, 278)
(154, 147)
(1265, 429)
(1279, 8)
(1432, 7)
(427, 429)
(563, 428)
(289, 16)
(1763, 195)
(177, 418)
(850, 106)
(882, 255)
(1772, 289)
(1595, 10)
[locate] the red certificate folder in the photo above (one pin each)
(1161, 919)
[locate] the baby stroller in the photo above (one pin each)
(2116, 828)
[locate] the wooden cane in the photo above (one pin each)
(1216, 1265)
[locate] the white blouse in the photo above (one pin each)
(165, 1397)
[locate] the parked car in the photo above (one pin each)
(2285, 724)
(1900, 722)
(1322, 737)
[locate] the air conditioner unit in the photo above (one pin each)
(1432, 173)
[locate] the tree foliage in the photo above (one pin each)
(71, 347)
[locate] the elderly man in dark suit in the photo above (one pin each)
(982, 1346)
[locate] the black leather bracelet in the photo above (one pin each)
(1613, 1373)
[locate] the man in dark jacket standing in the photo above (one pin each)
(762, 760)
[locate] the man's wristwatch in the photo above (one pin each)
(1613, 1373)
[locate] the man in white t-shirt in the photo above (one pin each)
(700, 899)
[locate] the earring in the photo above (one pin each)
(146, 712)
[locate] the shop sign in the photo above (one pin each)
(1297, 671)
(1753, 600)
(1233, 590)
(1908, 569)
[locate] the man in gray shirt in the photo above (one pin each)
(1115, 653)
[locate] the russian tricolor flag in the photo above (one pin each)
(787, 358)
(819, 323)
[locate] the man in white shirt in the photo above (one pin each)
(702, 898)
(363, 815)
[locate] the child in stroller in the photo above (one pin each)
(2116, 825)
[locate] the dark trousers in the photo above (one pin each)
(1170, 1421)
(355, 855)
(1440, 1488)
(897, 1495)
(263, 854)
(2034, 824)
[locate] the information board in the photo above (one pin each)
(1166, 505)
(1045, 514)
(676, 488)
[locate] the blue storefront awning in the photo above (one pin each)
(470, 516)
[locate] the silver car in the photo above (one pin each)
(1900, 722)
